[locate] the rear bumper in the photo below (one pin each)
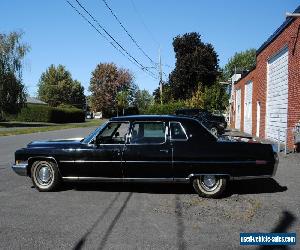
(20, 169)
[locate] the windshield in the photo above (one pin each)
(94, 133)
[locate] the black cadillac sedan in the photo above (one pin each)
(146, 149)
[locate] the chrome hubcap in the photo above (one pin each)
(209, 181)
(44, 175)
(214, 131)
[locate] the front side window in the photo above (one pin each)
(113, 133)
(177, 131)
(148, 133)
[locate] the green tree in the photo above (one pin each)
(215, 97)
(143, 100)
(197, 100)
(56, 87)
(106, 81)
(122, 98)
(167, 94)
(196, 63)
(244, 60)
(12, 91)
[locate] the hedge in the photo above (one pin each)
(164, 109)
(43, 113)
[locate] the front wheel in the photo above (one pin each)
(210, 186)
(45, 176)
(214, 131)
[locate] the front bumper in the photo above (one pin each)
(20, 169)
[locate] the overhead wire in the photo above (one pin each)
(127, 32)
(115, 43)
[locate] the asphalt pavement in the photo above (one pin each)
(140, 216)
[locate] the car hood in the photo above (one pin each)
(60, 143)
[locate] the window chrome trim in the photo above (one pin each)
(131, 129)
(109, 122)
(183, 129)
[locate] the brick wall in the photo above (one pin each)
(289, 37)
(241, 85)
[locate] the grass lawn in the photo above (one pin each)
(17, 128)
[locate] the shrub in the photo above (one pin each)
(35, 113)
(43, 113)
(64, 115)
(164, 109)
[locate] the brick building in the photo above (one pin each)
(266, 100)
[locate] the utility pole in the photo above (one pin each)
(160, 77)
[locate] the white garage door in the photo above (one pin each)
(248, 108)
(277, 96)
(238, 109)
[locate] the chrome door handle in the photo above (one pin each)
(164, 150)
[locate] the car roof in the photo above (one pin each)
(151, 118)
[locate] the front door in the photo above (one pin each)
(147, 154)
(103, 158)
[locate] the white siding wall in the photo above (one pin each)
(277, 96)
(238, 109)
(248, 108)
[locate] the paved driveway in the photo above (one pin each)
(135, 216)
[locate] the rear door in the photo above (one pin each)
(147, 153)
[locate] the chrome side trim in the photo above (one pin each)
(102, 179)
(160, 180)
(84, 161)
(20, 169)
(250, 177)
(185, 162)
(232, 177)
(108, 179)
(197, 175)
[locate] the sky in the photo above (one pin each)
(58, 35)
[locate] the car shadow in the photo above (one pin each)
(255, 186)
(286, 220)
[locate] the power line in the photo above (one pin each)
(127, 32)
(136, 62)
(99, 32)
(144, 24)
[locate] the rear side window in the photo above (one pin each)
(148, 133)
(177, 131)
(197, 132)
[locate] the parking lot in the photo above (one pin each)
(136, 216)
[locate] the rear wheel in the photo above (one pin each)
(210, 186)
(45, 176)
